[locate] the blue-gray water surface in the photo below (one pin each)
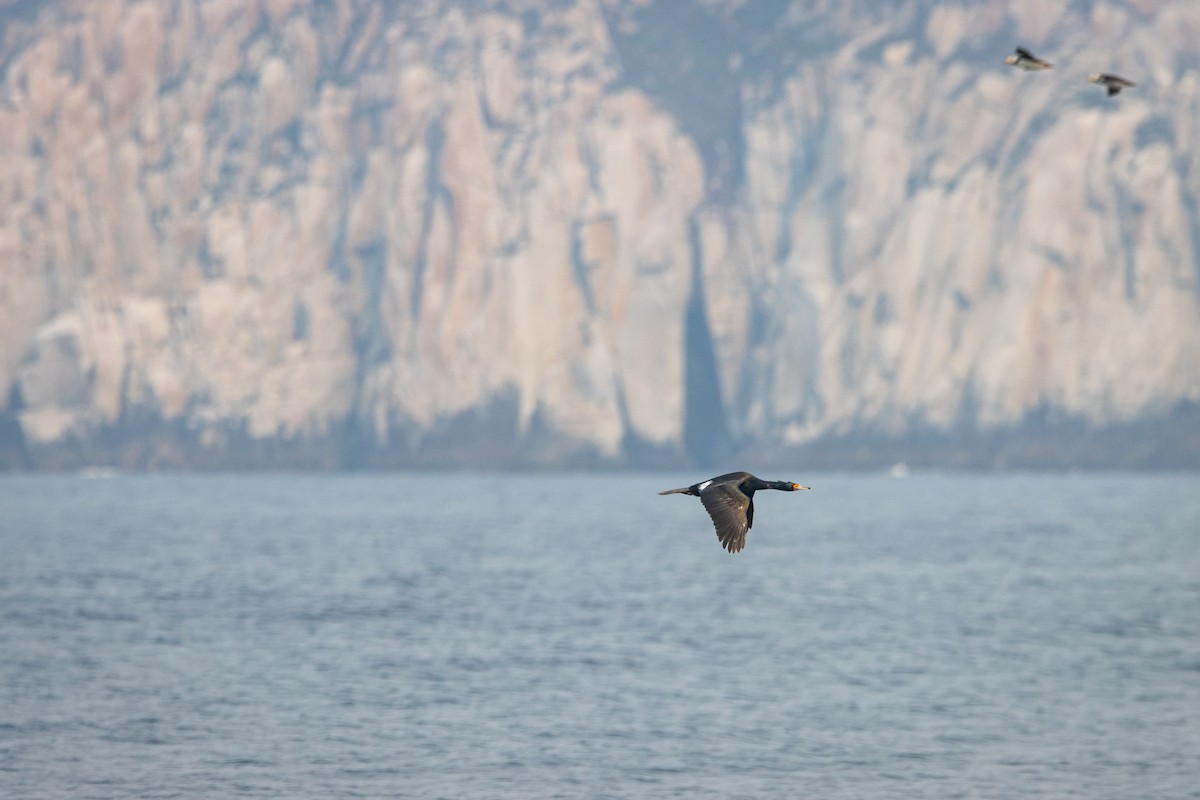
(538, 636)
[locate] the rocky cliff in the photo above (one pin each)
(274, 232)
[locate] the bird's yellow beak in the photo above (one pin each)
(797, 487)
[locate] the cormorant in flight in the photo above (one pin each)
(1027, 61)
(729, 500)
(1114, 83)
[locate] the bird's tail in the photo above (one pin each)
(684, 490)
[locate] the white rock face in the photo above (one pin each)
(1001, 243)
(281, 222)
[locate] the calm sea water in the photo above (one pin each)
(537, 636)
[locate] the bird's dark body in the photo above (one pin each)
(1113, 83)
(729, 500)
(1027, 61)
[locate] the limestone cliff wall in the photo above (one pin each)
(498, 231)
(970, 242)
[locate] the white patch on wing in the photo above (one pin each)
(703, 486)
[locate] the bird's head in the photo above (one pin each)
(788, 486)
(1095, 77)
(1010, 59)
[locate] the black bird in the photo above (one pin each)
(1027, 60)
(1114, 83)
(729, 500)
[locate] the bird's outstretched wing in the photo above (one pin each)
(1023, 53)
(727, 506)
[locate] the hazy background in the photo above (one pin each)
(274, 233)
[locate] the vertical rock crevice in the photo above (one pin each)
(706, 437)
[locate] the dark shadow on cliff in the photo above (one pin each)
(1170, 441)
(705, 431)
(667, 51)
(13, 452)
(490, 439)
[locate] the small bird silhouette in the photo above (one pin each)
(1027, 61)
(1114, 83)
(729, 500)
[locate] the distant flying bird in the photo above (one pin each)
(1114, 83)
(729, 500)
(1027, 61)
